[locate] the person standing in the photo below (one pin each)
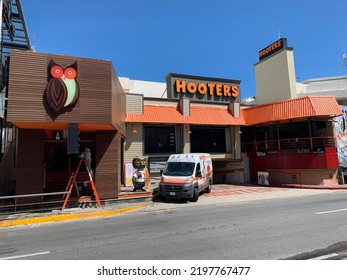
(87, 156)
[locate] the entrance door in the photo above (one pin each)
(56, 165)
(59, 165)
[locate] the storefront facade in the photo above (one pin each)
(292, 142)
(58, 101)
(192, 114)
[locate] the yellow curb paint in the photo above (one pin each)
(66, 217)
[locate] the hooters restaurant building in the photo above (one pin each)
(59, 105)
(187, 114)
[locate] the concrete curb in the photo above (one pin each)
(72, 216)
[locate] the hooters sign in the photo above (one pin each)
(202, 88)
(273, 48)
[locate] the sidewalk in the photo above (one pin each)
(130, 201)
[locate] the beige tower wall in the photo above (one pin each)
(275, 77)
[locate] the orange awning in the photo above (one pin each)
(297, 108)
(303, 107)
(198, 115)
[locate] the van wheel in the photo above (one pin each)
(209, 187)
(195, 196)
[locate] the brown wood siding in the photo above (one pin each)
(101, 98)
(118, 104)
(95, 90)
(30, 160)
(108, 164)
(30, 76)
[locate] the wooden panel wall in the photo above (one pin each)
(118, 104)
(100, 90)
(30, 161)
(108, 164)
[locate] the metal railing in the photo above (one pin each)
(293, 145)
(12, 204)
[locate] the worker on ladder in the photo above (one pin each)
(87, 156)
(86, 159)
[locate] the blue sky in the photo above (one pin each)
(147, 39)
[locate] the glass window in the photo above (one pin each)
(198, 168)
(159, 140)
(208, 140)
(179, 168)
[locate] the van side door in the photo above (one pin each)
(200, 177)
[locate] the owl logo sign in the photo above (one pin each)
(62, 89)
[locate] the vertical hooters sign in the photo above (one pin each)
(203, 88)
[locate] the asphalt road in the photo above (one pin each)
(283, 228)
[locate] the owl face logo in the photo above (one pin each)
(62, 89)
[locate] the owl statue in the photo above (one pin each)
(62, 89)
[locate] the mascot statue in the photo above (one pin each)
(140, 176)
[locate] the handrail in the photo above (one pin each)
(32, 195)
(310, 143)
(15, 205)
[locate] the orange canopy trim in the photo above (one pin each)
(61, 126)
(303, 107)
(198, 115)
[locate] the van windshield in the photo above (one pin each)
(179, 168)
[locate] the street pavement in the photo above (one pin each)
(148, 201)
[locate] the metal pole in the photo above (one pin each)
(310, 131)
(278, 140)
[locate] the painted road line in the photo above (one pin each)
(332, 211)
(66, 217)
(324, 257)
(24, 256)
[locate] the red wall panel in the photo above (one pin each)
(327, 160)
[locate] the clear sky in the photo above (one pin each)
(147, 39)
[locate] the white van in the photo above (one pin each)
(185, 176)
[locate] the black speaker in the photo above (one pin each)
(73, 139)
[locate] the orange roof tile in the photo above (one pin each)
(213, 116)
(302, 107)
(198, 115)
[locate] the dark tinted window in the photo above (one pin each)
(208, 140)
(159, 140)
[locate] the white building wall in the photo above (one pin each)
(146, 88)
(335, 86)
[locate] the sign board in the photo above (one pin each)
(156, 164)
(129, 171)
(203, 89)
(273, 48)
(263, 178)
